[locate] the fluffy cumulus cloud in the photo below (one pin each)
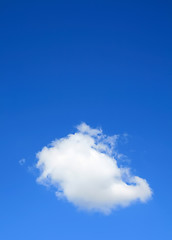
(83, 170)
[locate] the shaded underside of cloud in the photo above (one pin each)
(84, 171)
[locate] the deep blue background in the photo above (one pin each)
(108, 63)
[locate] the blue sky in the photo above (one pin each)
(106, 63)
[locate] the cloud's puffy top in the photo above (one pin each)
(82, 168)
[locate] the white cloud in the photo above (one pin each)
(22, 161)
(82, 168)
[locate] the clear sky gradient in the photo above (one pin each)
(107, 63)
